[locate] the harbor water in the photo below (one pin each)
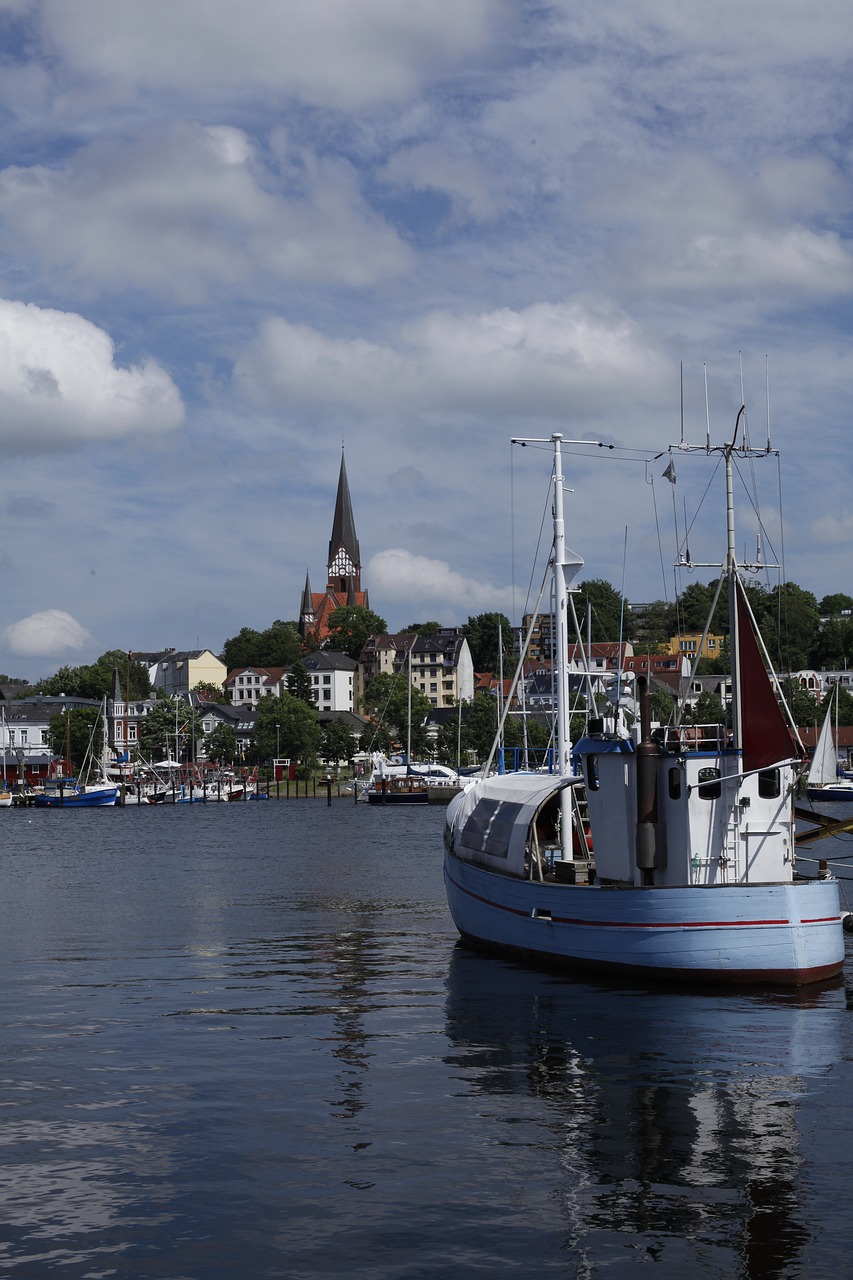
(241, 1041)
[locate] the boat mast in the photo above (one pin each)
(561, 604)
(731, 574)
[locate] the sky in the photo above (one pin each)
(237, 236)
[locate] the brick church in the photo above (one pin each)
(344, 568)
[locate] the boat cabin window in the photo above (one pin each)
(593, 781)
(675, 784)
(769, 784)
(710, 787)
(489, 827)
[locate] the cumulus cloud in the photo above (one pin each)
(193, 207)
(537, 361)
(60, 385)
(45, 635)
(417, 582)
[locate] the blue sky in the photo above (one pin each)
(234, 235)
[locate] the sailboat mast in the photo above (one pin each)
(731, 576)
(561, 602)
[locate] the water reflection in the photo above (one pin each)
(675, 1115)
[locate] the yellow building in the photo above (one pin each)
(687, 644)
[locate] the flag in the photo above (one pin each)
(669, 474)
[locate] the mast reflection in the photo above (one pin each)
(673, 1116)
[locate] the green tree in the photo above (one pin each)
(663, 705)
(658, 624)
(210, 692)
(286, 725)
(708, 710)
(72, 734)
(386, 701)
(350, 626)
(337, 743)
(607, 614)
(220, 745)
(804, 710)
(97, 679)
(423, 629)
(299, 683)
(832, 647)
(278, 646)
(790, 626)
(486, 634)
(171, 730)
(833, 606)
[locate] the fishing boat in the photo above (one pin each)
(824, 780)
(391, 784)
(652, 855)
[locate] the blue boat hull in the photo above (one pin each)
(773, 934)
(78, 799)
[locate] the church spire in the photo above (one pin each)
(344, 553)
(306, 609)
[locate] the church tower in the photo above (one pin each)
(344, 554)
(343, 586)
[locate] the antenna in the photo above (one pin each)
(767, 396)
(707, 412)
(681, 367)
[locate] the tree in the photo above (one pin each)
(662, 704)
(299, 683)
(833, 606)
(487, 634)
(170, 730)
(287, 726)
(278, 646)
(802, 706)
(790, 625)
(657, 625)
(220, 745)
(97, 679)
(208, 692)
(423, 629)
(72, 734)
(386, 701)
(337, 743)
(708, 710)
(350, 626)
(608, 618)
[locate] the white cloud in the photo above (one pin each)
(540, 360)
(192, 208)
(329, 52)
(407, 581)
(48, 634)
(59, 384)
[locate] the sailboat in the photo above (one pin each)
(822, 780)
(91, 789)
(690, 873)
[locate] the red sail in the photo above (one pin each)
(767, 737)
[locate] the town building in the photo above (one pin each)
(691, 645)
(174, 673)
(441, 665)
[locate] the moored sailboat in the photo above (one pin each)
(823, 781)
(691, 872)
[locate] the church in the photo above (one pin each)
(343, 586)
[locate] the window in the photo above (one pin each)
(327, 679)
(710, 787)
(434, 687)
(769, 784)
(592, 779)
(675, 784)
(24, 737)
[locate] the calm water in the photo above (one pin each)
(239, 1041)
